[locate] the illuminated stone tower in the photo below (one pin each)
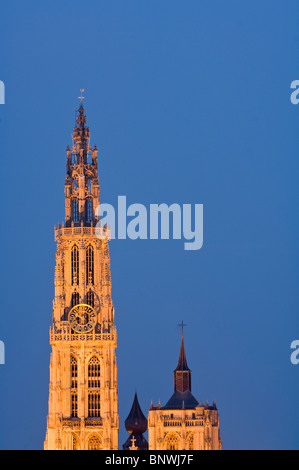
(83, 396)
(183, 423)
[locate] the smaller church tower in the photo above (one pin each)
(183, 423)
(136, 425)
(182, 373)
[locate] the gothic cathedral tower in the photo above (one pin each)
(83, 396)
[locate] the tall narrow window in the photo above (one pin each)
(190, 442)
(75, 440)
(75, 265)
(90, 298)
(94, 373)
(88, 183)
(75, 183)
(75, 299)
(89, 266)
(94, 406)
(88, 209)
(75, 158)
(74, 387)
(94, 397)
(74, 404)
(75, 210)
(74, 372)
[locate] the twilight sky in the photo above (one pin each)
(188, 103)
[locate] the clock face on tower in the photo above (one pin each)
(82, 318)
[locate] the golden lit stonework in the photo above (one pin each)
(83, 395)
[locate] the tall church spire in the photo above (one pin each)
(81, 131)
(82, 182)
(182, 362)
(182, 373)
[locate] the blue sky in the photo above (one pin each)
(188, 102)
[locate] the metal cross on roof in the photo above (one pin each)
(133, 447)
(182, 325)
(81, 97)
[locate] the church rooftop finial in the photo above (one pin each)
(81, 98)
(182, 325)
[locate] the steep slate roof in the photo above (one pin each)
(182, 362)
(181, 400)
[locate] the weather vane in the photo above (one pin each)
(81, 97)
(182, 325)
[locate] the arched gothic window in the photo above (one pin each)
(75, 265)
(75, 183)
(75, 299)
(94, 443)
(94, 373)
(74, 387)
(75, 210)
(172, 442)
(94, 404)
(74, 372)
(89, 266)
(90, 298)
(88, 209)
(94, 397)
(88, 182)
(190, 442)
(75, 440)
(74, 404)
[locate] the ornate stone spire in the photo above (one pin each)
(81, 132)
(82, 190)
